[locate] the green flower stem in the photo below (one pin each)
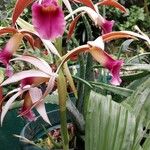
(58, 45)
(62, 93)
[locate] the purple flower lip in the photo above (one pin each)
(115, 70)
(26, 81)
(48, 19)
(107, 26)
(30, 116)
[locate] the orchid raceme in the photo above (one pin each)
(7, 52)
(48, 19)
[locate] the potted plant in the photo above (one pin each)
(104, 123)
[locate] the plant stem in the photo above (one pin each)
(58, 44)
(62, 92)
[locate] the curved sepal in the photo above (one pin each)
(19, 7)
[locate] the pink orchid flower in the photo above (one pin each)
(30, 116)
(32, 95)
(7, 52)
(25, 111)
(48, 19)
(108, 62)
(93, 12)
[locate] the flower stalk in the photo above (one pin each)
(62, 93)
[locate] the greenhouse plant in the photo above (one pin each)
(67, 53)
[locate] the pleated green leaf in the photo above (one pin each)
(109, 125)
(140, 100)
(117, 90)
(139, 103)
(146, 145)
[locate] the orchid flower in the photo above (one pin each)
(114, 66)
(30, 80)
(96, 17)
(25, 111)
(9, 49)
(48, 19)
(30, 116)
(108, 62)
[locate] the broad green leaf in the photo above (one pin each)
(117, 90)
(139, 103)
(109, 125)
(83, 81)
(146, 145)
(140, 99)
(137, 67)
(134, 76)
(138, 58)
(134, 85)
